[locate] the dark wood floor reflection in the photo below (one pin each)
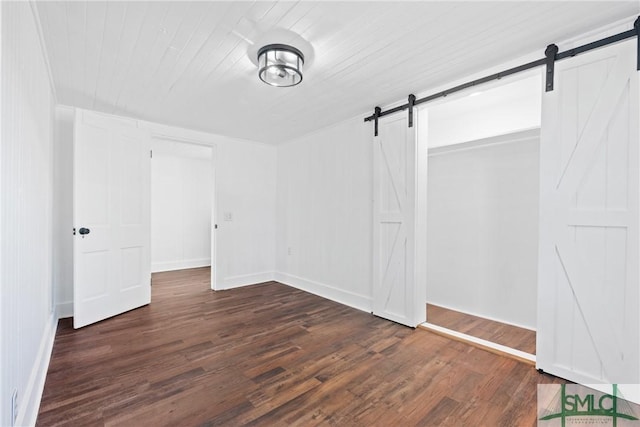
(479, 327)
(273, 355)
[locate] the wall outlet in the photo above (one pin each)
(14, 406)
(228, 216)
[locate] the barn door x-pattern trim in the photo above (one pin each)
(400, 239)
(396, 288)
(591, 207)
(587, 147)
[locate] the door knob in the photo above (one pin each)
(84, 231)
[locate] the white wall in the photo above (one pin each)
(324, 213)
(483, 228)
(181, 205)
(26, 304)
(487, 112)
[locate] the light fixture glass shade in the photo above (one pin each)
(280, 65)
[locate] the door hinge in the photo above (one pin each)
(215, 226)
(151, 153)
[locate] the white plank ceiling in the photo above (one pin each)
(187, 63)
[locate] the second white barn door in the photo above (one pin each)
(399, 245)
(112, 267)
(588, 323)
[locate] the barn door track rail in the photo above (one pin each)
(551, 56)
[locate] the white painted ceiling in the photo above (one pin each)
(190, 64)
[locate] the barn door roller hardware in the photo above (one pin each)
(550, 53)
(411, 103)
(551, 56)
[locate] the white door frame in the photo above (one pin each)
(183, 140)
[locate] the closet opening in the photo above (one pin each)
(482, 214)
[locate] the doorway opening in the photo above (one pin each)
(182, 207)
(482, 215)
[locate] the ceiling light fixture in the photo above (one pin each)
(280, 65)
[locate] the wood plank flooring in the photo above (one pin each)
(273, 355)
(479, 327)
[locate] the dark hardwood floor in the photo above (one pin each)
(479, 327)
(273, 355)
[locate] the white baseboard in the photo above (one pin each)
(244, 280)
(360, 302)
(29, 404)
(157, 267)
(64, 309)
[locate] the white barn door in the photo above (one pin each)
(112, 175)
(588, 323)
(399, 221)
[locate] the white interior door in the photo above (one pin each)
(399, 235)
(112, 265)
(588, 323)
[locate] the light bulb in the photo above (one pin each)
(278, 72)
